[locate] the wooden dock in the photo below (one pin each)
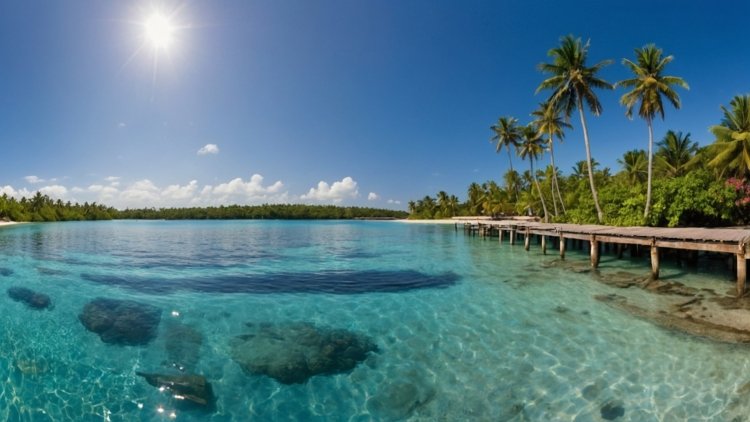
(722, 240)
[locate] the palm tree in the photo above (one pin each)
(475, 198)
(453, 205)
(634, 165)
(550, 123)
(442, 203)
(649, 86)
(507, 134)
(675, 153)
(512, 181)
(572, 85)
(731, 150)
(531, 147)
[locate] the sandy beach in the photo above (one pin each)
(7, 223)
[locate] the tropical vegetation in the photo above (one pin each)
(41, 208)
(673, 182)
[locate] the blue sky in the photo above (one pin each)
(352, 102)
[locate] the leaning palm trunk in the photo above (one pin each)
(515, 186)
(599, 213)
(554, 174)
(539, 189)
(650, 166)
(552, 180)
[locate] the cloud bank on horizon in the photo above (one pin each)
(145, 194)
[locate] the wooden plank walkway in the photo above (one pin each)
(723, 240)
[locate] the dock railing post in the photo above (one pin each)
(654, 260)
(741, 270)
(562, 246)
(527, 240)
(594, 252)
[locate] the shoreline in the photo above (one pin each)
(8, 223)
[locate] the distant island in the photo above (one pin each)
(42, 208)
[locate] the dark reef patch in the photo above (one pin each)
(291, 353)
(29, 297)
(122, 322)
(336, 282)
(6, 272)
(189, 388)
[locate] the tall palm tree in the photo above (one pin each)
(572, 85)
(474, 201)
(531, 147)
(442, 203)
(507, 134)
(453, 205)
(512, 181)
(550, 123)
(675, 153)
(634, 165)
(731, 149)
(648, 87)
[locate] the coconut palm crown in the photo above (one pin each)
(550, 123)
(572, 84)
(649, 86)
(731, 150)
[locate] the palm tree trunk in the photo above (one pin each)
(599, 213)
(650, 166)
(554, 173)
(538, 188)
(552, 180)
(510, 160)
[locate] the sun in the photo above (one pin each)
(159, 31)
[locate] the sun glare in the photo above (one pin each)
(159, 30)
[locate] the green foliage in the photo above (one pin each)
(41, 208)
(696, 199)
(258, 212)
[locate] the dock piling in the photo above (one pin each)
(741, 270)
(562, 246)
(654, 260)
(594, 252)
(544, 245)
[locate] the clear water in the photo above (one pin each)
(466, 329)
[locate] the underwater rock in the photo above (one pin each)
(6, 272)
(678, 321)
(122, 322)
(612, 410)
(182, 344)
(291, 353)
(32, 366)
(31, 298)
(193, 388)
(400, 397)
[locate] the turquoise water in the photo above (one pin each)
(465, 328)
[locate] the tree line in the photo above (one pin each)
(679, 184)
(41, 208)
(266, 211)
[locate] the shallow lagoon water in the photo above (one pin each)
(465, 328)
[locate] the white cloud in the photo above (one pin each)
(394, 201)
(209, 149)
(8, 190)
(337, 192)
(121, 125)
(180, 193)
(54, 191)
(372, 196)
(33, 180)
(241, 192)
